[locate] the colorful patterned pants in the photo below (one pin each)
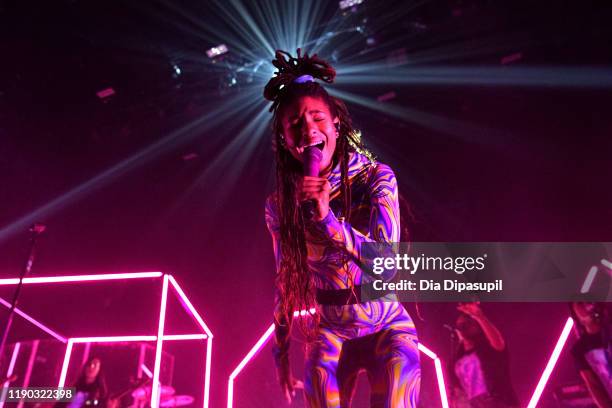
(389, 356)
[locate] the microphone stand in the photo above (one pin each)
(35, 230)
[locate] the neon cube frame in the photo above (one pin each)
(533, 402)
(167, 280)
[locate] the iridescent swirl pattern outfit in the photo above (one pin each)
(378, 335)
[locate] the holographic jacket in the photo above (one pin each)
(374, 217)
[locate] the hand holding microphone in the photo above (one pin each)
(313, 191)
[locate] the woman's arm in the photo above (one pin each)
(599, 394)
(384, 223)
(493, 335)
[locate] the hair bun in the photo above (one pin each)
(290, 68)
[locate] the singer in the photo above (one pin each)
(318, 223)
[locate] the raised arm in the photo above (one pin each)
(493, 335)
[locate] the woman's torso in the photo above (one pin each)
(332, 268)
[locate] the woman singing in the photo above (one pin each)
(317, 259)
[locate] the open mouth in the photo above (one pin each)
(319, 145)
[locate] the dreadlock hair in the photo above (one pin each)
(294, 280)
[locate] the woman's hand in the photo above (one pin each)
(471, 309)
(287, 382)
(317, 189)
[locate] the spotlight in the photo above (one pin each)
(227, 83)
(106, 93)
(216, 51)
(345, 4)
(177, 70)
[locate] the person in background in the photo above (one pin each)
(480, 372)
(592, 349)
(90, 388)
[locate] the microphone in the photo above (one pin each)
(312, 161)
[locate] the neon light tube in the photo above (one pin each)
(158, 347)
(258, 345)
(28, 374)
(439, 373)
(187, 304)
(9, 372)
(552, 361)
(146, 370)
(64, 371)
(588, 281)
(254, 350)
(200, 336)
(35, 322)
(82, 278)
(112, 339)
(126, 339)
(141, 358)
(441, 384)
(207, 372)
(11, 366)
(427, 351)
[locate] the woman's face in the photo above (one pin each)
(308, 122)
(587, 313)
(468, 327)
(92, 369)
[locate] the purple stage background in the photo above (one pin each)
(507, 163)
